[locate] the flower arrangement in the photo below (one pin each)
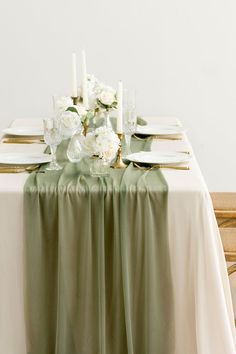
(71, 116)
(102, 142)
(101, 97)
(107, 99)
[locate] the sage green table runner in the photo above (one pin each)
(97, 261)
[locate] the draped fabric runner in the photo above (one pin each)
(97, 261)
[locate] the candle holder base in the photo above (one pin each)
(118, 164)
(75, 100)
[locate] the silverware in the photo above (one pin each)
(18, 169)
(160, 137)
(164, 137)
(172, 167)
(22, 141)
(185, 152)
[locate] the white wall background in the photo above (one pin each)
(180, 55)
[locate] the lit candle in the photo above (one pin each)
(84, 81)
(119, 126)
(74, 76)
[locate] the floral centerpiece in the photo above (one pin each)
(107, 99)
(101, 145)
(102, 99)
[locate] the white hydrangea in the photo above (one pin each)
(103, 142)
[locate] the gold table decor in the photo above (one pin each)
(22, 140)
(158, 137)
(18, 169)
(119, 162)
(172, 167)
(85, 128)
(75, 100)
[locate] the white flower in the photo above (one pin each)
(88, 144)
(62, 103)
(107, 96)
(103, 142)
(70, 123)
(81, 110)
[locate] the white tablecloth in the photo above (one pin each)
(204, 321)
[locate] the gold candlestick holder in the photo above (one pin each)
(119, 162)
(75, 100)
(85, 129)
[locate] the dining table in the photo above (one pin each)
(200, 318)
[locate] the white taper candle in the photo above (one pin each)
(84, 81)
(74, 76)
(119, 126)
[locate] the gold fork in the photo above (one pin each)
(157, 137)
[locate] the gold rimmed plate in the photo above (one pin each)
(159, 158)
(159, 130)
(24, 159)
(24, 131)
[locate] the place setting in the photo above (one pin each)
(23, 135)
(20, 158)
(149, 160)
(83, 126)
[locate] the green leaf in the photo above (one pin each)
(72, 109)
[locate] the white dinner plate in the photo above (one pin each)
(24, 131)
(158, 129)
(157, 157)
(23, 158)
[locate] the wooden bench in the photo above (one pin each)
(225, 210)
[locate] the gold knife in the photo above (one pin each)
(167, 137)
(158, 137)
(184, 168)
(22, 141)
(18, 169)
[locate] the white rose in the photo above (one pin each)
(103, 142)
(107, 143)
(107, 97)
(88, 144)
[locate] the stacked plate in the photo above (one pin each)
(22, 135)
(160, 158)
